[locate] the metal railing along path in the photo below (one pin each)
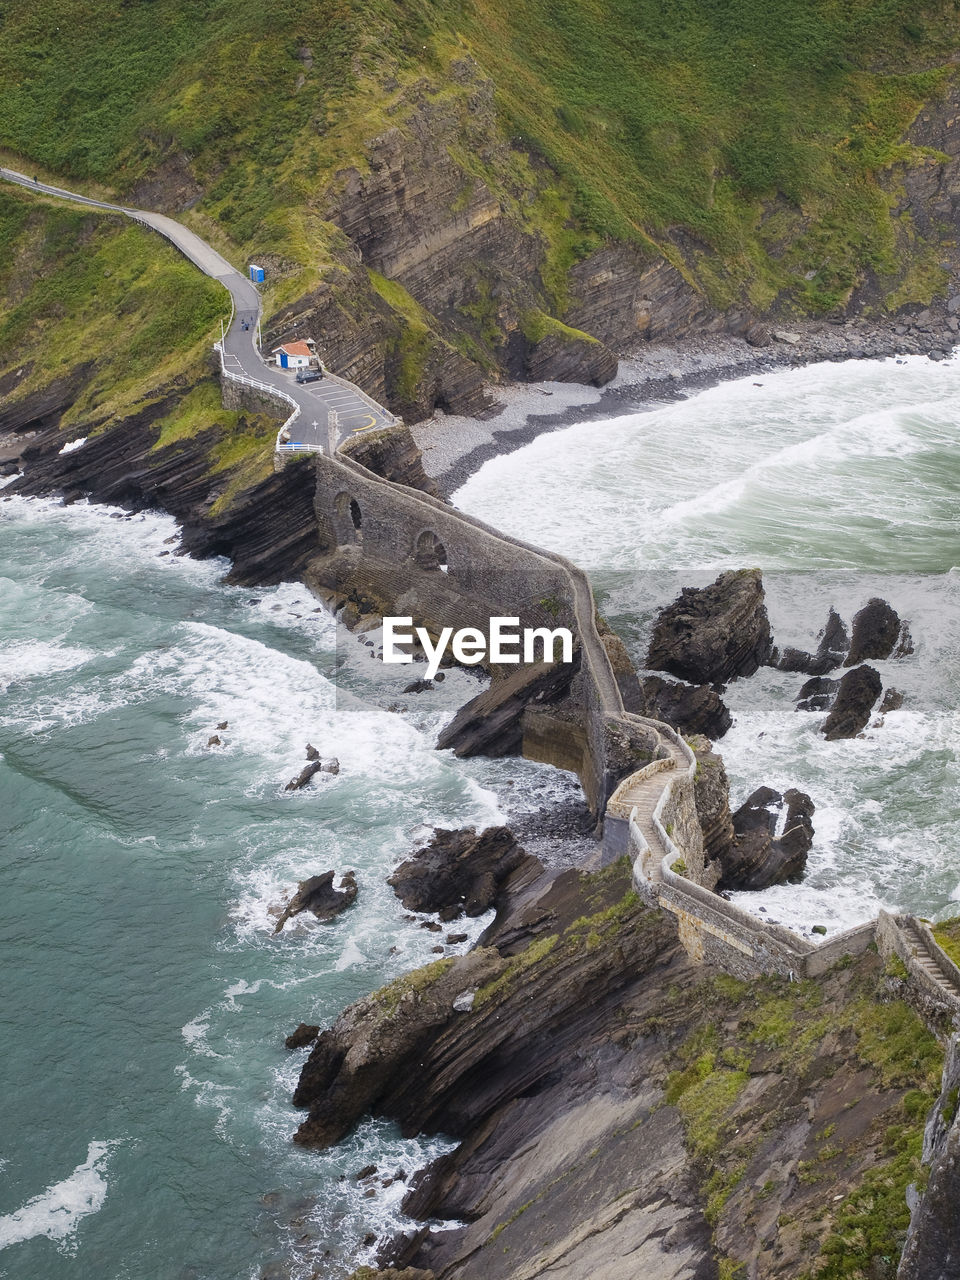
(266, 389)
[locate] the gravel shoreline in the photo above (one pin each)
(658, 373)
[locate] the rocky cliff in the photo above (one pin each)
(265, 526)
(614, 1100)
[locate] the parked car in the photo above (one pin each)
(309, 375)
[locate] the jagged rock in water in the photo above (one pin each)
(856, 696)
(376, 1045)
(318, 895)
(834, 644)
(892, 701)
(758, 857)
(304, 1034)
(418, 686)
(876, 630)
(491, 723)
(710, 635)
(312, 753)
(304, 776)
(214, 741)
(331, 767)
(458, 872)
(904, 646)
(817, 694)
(690, 708)
(711, 793)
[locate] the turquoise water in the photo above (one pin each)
(840, 481)
(145, 997)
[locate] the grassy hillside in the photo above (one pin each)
(698, 115)
(75, 286)
(81, 290)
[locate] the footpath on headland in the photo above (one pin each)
(650, 815)
(331, 406)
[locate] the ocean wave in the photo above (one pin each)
(58, 1212)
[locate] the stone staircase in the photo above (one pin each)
(641, 792)
(928, 958)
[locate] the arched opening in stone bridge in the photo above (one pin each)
(348, 519)
(430, 553)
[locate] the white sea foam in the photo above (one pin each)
(30, 660)
(58, 1212)
(73, 445)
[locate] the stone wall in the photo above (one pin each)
(389, 549)
(237, 395)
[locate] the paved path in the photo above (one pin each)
(316, 401)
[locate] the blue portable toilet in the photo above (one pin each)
(256, 274)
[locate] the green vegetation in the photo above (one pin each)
(695, 118)
(81, 291)
(947, 934)
(77, 287)
(771, 1026)
(537, 325)
(414, 983)
(536, 952)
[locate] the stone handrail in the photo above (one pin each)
(786, 938)
(943, 960)
(616, 805)
(892, 941)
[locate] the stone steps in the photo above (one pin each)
(927, 961)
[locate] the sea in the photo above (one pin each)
(146, 993)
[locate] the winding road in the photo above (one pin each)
(315, 402)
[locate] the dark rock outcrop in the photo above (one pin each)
(441, 1048)
(491, 724)
(458, 872)
(817, 694)
(834, 644)
(710, 635)
(555, 357)
(318, 896)
(269, 531)
(711, 793)
(303, 1035)
(758, 857)
(892, 701)
(856, 696)
(391, 1273)
(932, 1251)
(375, 1050)
(690, 708)
(304, 776)
(417, 686)
(393, 454)
(875, 632)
